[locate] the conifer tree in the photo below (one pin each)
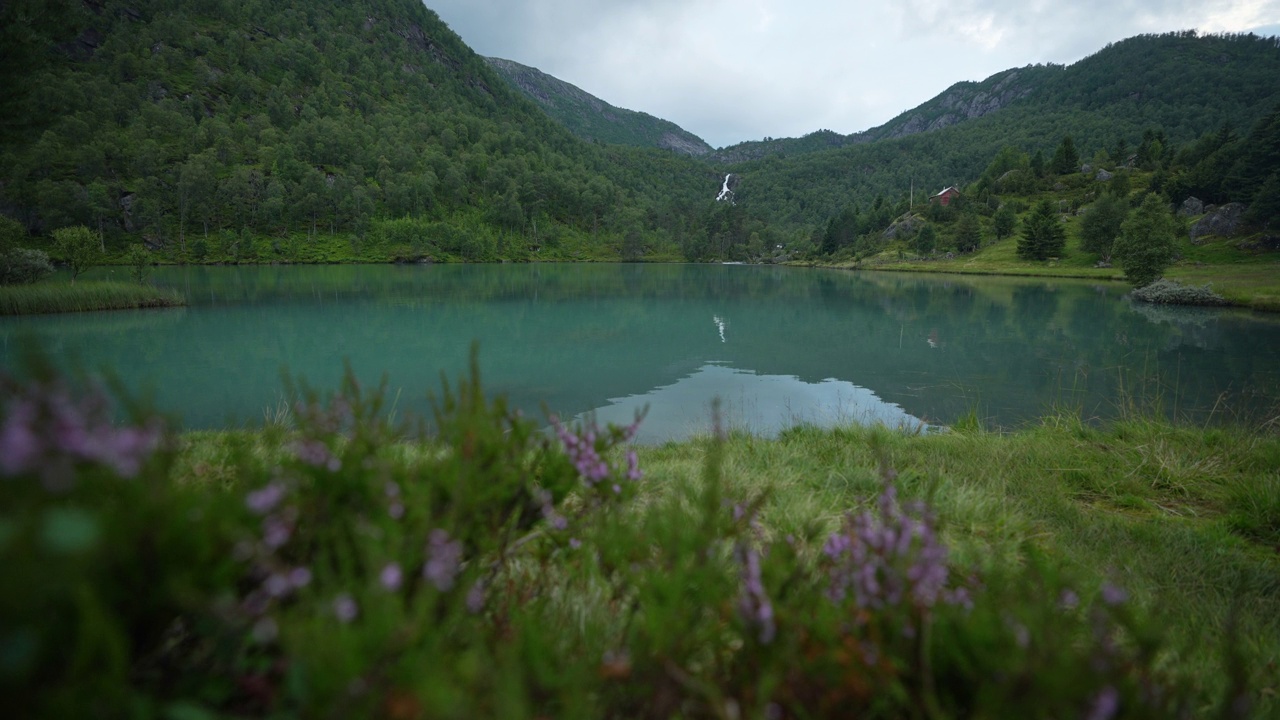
(1043, 236)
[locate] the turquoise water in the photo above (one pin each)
(776, 345)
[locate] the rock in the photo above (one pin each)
(126, 210)
(1086, 169)
(1059, 187)
(904, 226)
(1191, 206)
(1102, 264)
(1103, 176)
(1222, 222)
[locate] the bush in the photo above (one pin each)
(20, 266)
(1172, 292)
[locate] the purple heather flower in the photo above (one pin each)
(300, 577)
(475, 598)
(392, 489)
(264, 500)
(1105, 704)
(633, 466)
(1113, 594)
(275, 531)
(753, 602)
(391, 577)
(444, 557)
(396, 510)
(345, 608)
(45, 431)
(316, 453)
(1069, 600)
(277, 585)
(890, 557)
(575, 543)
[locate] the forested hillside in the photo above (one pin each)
(591, 118)
(1180, 85)
(227, 128)
(320, 130)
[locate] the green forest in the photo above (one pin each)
(318, 131)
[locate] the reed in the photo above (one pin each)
(55, 297)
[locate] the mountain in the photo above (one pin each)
(591, 118)
(1181, 85)
(224, 130)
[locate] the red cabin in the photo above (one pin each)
(945, 197)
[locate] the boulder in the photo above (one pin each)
(1103, 176)
(1222, 222)
(904, 226)
(1191, 206)
(1086, 169)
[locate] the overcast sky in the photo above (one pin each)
(736, 70)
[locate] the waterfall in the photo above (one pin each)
(725, 192)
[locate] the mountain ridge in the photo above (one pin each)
(591, 118)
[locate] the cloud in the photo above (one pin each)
(734, 70)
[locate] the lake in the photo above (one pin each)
(778, 346)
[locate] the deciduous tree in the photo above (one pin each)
(1146, 242)
(78, 247)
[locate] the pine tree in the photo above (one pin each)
(1065, 158)
(1043, 236)
(926, 239)
(968, 233)
(1004, 221)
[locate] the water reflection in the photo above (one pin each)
(782, 344)
(758, 404)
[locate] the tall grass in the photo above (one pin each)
(56, 297)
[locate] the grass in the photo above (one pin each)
(58, 297)
(1186, 520)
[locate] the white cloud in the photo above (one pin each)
(734, 70)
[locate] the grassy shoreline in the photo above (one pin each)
(57, 297)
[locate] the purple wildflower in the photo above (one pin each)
(575, 543)
(264, 500)
(633, 466)
(889, 558)
(391, 577)
(275, 531)
(444, 558)
(475, 597)
(1113, 594)
(754, 603)
(345, 608)
(277, 585)
(1105, 704)
(47, 432)
(396, 510)
(316, 454)
(300, 577)
(1069, 600)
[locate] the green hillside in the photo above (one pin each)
(1182, 84)
(591, 118)
(248, 130)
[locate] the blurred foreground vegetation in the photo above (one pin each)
(338, 563)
